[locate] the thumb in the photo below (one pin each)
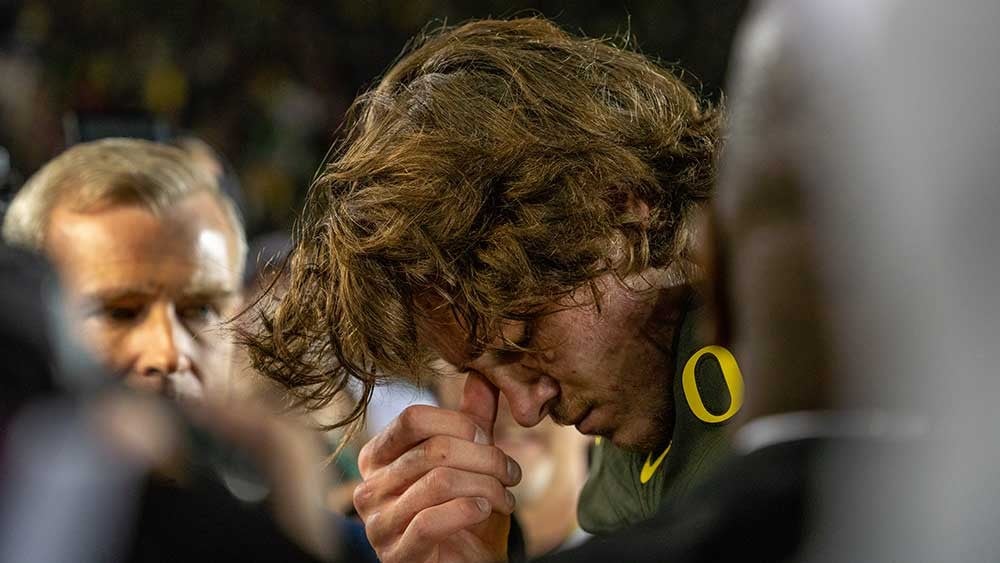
(479, 402)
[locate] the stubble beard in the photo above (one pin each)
(568, 410)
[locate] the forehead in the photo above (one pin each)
(610, 311)
(439, 331)
(188, 246)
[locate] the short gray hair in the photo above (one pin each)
(120, 171)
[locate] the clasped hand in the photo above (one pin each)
(435, 486)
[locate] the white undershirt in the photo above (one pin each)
(800, 425)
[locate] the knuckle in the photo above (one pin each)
(365, 459)
(470, 510)
(440, 479)
(373, 526)
(380, 531)
(363, 495)
(410, 417)
(421, 528)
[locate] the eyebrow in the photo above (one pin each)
(126, 293)
(116, 294)
(208, 294)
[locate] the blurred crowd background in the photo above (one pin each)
(266, 83)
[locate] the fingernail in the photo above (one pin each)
(483, 504)
(514, 470)
(510, 498)
(481, 437)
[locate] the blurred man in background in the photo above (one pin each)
(516, 201)
(91, 471)
(151, 254)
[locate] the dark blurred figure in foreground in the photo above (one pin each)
(850, 246)
(10, 181)
(25, 333)
(151, 253)
(92, 472)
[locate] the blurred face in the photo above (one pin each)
(605, 369)
(148, 291)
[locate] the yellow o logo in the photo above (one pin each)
(730, 372)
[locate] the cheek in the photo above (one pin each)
(109, 345)
(220, 354)
(589, 359)
(601, 353)
(213, 356)
(624, 375)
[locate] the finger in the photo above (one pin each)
(438, 451)
(445, 451)
(439, 523)
(414, 425)
(479, 402)
(439, 486)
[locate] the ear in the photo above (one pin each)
(638, 207)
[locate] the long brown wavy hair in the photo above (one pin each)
(495, 166)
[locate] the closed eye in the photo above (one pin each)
(514, 350)
(115, 306)
(527, 335)
(120, 314)
(114, 312)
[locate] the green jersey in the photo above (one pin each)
(627, 487)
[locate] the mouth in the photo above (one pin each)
(585, 424)
(184, 388)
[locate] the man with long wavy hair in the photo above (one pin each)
(518, 202)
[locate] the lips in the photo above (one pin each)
(184, 387)
(585, 424)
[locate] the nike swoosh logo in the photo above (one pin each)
(648, 469)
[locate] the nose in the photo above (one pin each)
(529, 398)
(159, 342)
